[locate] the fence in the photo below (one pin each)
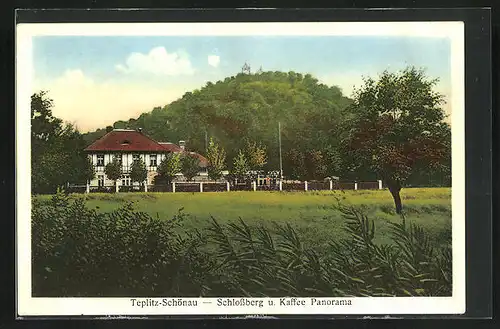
(345, 186)
(160, 188)
(293, 186)
(188, 187)
(271, 187)
(223, 187)
(215, 187)
(101, 189)
(242, 187)
(368, 185)
(318, 186)
(128, 188)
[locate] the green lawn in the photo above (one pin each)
(311, 213)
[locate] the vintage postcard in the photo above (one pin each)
(240, 168)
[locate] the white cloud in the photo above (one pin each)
(92, 104)
(213, 60)
(159, 62)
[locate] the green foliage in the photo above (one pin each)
(256, 155)
(82, 253)
(398, 122)
(57, 149)
(190, 166)
(408, 267)
(89, 172)
(396, 125)
(240, 167)
(307, 165)
(295, 160)
(113, 169)
(168, 168)
(44, 126)
(216, 156)
(138, 171)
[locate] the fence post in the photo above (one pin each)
(379, 184)
(145, 186)
(254, 185)
(201, 186)
(87, 188)
(355, 185)
(227, 186)
(173, 187)
(281, 185)
(331, 184)
(305, 186)
(116, 186)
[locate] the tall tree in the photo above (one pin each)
(216, 156)
(89, 172)
(256, 155)
(138, 171)
(113, 169)
(168, 168)
(190, 166)
(44, 126)
(397, 125)
(256, 158)
(57, 149)
(240, 167)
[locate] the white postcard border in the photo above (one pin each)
(29, 306)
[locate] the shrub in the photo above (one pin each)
(79, 252)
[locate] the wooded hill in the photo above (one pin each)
(247, 108)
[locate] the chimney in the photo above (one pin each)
(182, 145)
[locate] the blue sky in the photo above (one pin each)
(95, 81)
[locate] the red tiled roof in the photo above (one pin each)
(203, 160)
(170, 147)
(116, 140)
(125, 140)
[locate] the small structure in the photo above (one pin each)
(128, 145)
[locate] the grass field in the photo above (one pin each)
(313, 214)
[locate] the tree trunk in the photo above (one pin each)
(395, 188)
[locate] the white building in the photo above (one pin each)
(128, 145)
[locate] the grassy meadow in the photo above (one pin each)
(313, 213)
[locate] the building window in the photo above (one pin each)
(135, 157)
(126, 180)
(152, 160)
(100, 180)
(100, 160)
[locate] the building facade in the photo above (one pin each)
(128, 145)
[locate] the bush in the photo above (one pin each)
(79, 252)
